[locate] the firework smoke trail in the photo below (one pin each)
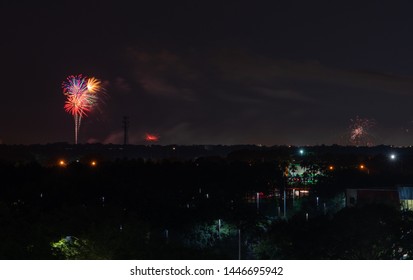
(82, 96)
(359, 131)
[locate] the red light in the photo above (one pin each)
(151, 137)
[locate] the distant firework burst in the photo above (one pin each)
(82, 95)
(151, 137)
(360, 132)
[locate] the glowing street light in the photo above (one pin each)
(93, 163)
(363, 167)
(258, 201)
(331, 168)
(62, 163)
(393, 157)
(301, 151)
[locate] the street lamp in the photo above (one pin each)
(393, 157)
(258, 201)
(363, 167)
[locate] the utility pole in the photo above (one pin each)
(285, 204)
(125, 130)
(285, 175)
(239, 244)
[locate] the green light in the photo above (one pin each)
(70, 248)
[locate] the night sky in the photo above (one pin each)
(209, 72)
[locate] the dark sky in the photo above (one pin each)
(209, 72)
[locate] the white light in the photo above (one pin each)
(301, 151)
(393, 156)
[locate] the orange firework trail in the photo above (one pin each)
(82, 95)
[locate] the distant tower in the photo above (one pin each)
(125, 130)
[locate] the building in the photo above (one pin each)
(399, 196)
(406, 197)
(360, 197)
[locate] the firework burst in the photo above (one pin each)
(82, 95)
(360, 131)
(151, 137)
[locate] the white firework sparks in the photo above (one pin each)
(359, 131)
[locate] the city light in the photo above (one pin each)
(392, 156)
(363, 167)
(93, 163)
(331, 167)
(62, 163)
(301, 151)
